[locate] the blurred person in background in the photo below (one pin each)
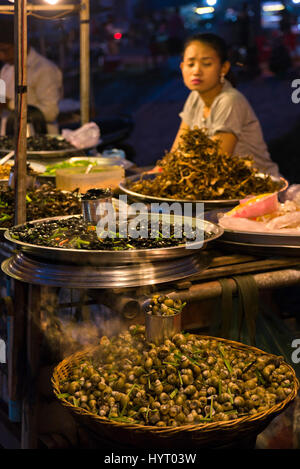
(44, 79)
(162, 37)
(176, 32)
(289, 38)
(280, 61)
(244, 26)
(109, 34)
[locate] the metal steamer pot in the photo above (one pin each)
(80, 268)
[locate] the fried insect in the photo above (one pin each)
(41, 202)
(198, 170)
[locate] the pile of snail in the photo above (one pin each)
(162, 305)
(187, 380)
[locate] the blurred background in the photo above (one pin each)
(135, 54)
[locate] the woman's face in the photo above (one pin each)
(201, 67)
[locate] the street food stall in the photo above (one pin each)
(150, 331)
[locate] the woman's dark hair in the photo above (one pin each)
(218, 44)
(7, 29)
(34, 117)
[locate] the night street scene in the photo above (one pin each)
(150, 227)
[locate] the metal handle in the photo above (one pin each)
(7, 157)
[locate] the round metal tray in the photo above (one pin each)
(255, 238)
(209, 204)
(84, 257)
(263, 250)
(50, 154)
(31, 270)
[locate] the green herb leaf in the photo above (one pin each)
(63, 395)
(230, 394)
(211, 407)
(225, 360)
(260, 377)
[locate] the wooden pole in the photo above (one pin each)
(16, 349)
(85, 61)
(20, 176)
(29, 434)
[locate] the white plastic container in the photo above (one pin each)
(104, 177)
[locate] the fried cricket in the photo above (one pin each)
(198, 170)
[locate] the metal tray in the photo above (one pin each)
(50, 154)
(255, 238)
(208, 204)
(36, 271)
(85, 257)
(263, 250)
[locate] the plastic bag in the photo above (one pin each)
(293, 193)
(86, 136)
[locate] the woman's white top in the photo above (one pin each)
(231, 112)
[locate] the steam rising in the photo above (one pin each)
(73, 328)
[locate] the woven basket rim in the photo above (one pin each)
(259, 417)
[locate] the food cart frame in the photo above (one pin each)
(23, 300)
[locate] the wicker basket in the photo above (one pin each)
(208, 435)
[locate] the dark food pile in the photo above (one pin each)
(38, 143)
(197, 170)
(75, 233)
(96, 194)
(41, 202)
(187, 380)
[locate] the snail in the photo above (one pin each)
(162, 305)
(187, 380)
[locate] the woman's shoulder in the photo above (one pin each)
(233, 97)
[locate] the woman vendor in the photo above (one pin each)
(214, 104)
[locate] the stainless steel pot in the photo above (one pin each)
(160, 328)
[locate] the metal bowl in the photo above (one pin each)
(160, 328)
(208, 204)
(86, 257)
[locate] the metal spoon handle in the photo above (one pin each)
(7, 157)
(88, 169)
